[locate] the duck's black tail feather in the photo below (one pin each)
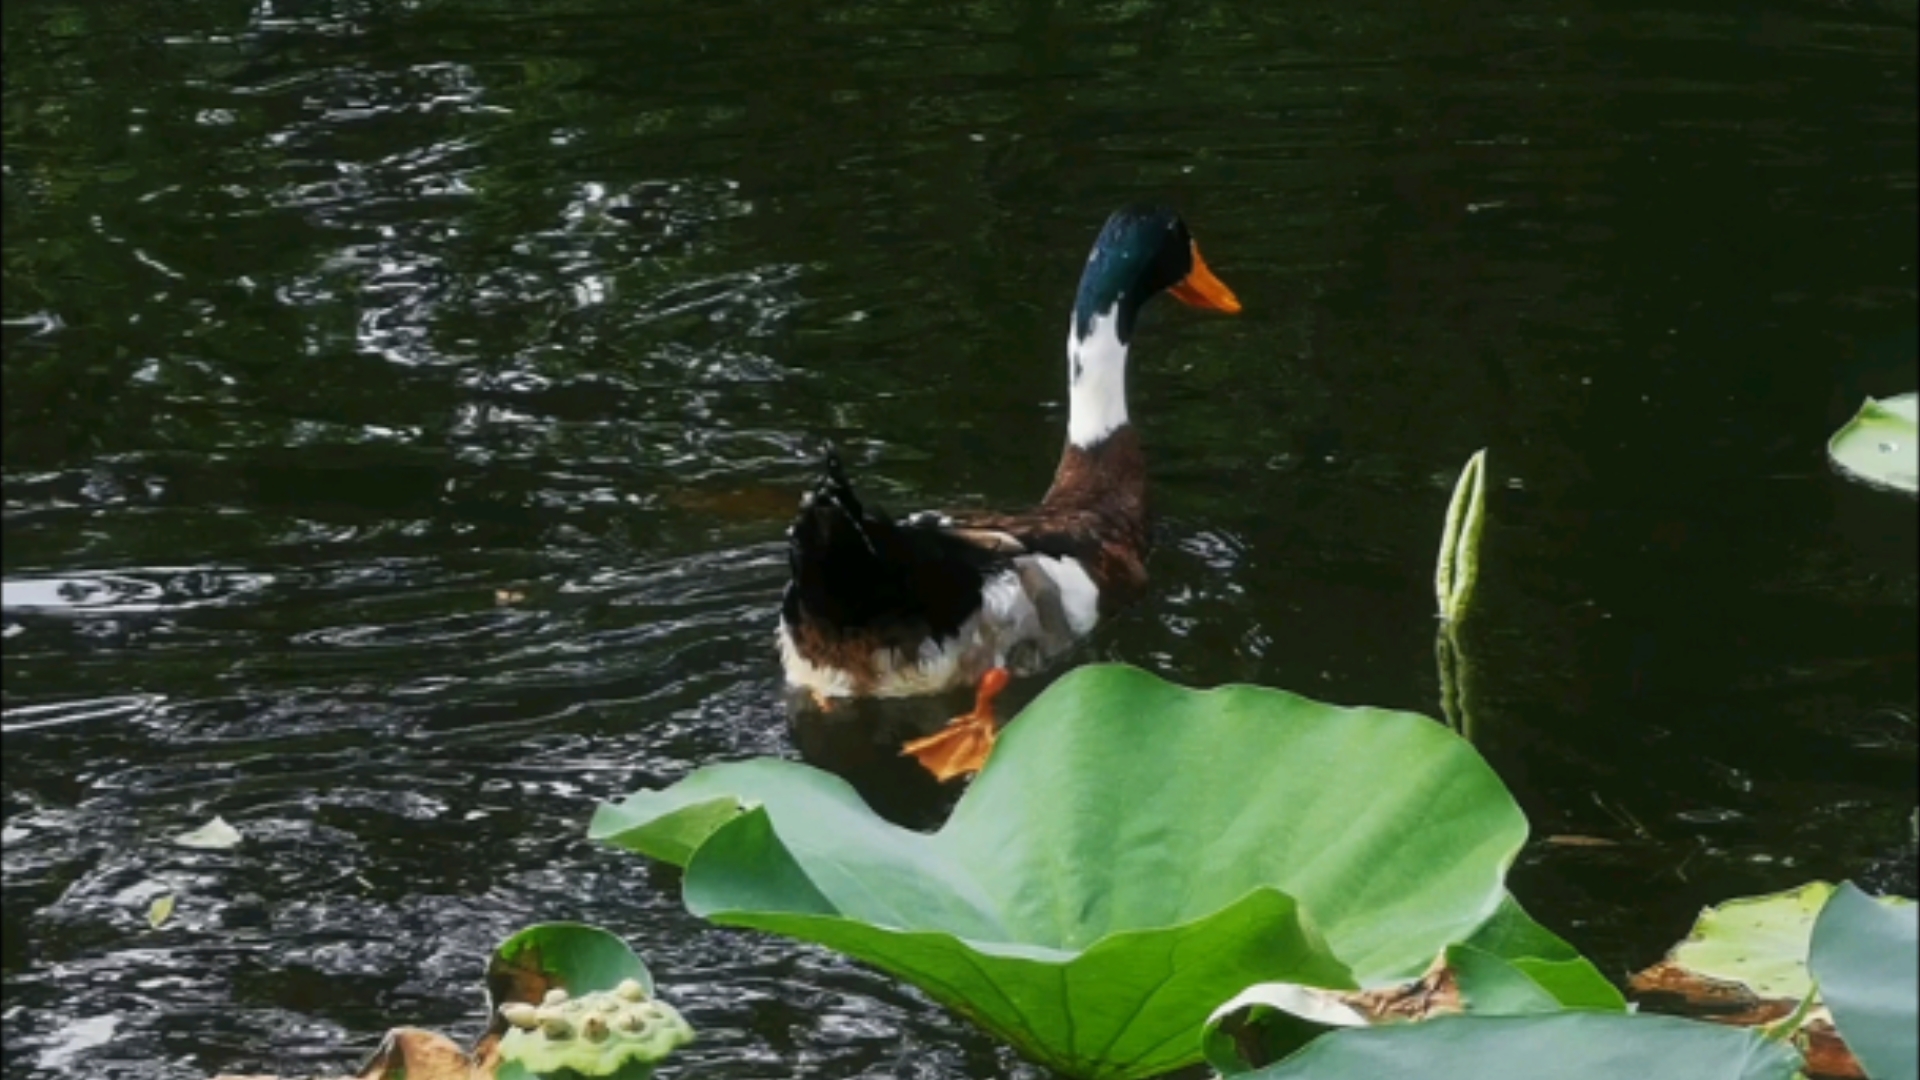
(855, 569)
(834, 546)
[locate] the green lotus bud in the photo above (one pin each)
(1458, 567)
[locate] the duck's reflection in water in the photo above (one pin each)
(859, 740)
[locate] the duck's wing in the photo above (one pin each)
(1109, 552)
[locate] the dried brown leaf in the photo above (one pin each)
(1827, 1057)
(407, 1054)
(417, 1054)
(1434, 993)
(1667, 987)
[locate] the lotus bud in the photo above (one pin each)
(1458, 567)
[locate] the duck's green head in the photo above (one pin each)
(1143, 251)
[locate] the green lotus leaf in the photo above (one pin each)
(1555, 1046)
(1759, 942)
(1881, 444)
(1134, 853)
(1543, 957)
(1492, 986)
(1866, 956)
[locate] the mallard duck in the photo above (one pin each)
(885, 607)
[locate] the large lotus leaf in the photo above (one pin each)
(1867, 958)
(1556, 1046)
(1133, 853)
(1881, 444)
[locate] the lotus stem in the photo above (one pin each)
(1782, 1029)
(1458, 568)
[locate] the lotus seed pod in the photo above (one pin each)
(629, 1021)
(520, 1015)
(594, 1027)
(555, 1025)
(555, 996)
(631, 990)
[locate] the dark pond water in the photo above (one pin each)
(403, 403)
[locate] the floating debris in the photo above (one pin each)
(215, 835)
(1578, 840)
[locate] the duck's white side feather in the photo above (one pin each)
(1028, 614)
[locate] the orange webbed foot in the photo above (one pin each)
(961, 748)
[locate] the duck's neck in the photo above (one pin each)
(1097, 378)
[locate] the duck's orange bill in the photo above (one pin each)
(1201, 289)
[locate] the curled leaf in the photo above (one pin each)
(1509, 966)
